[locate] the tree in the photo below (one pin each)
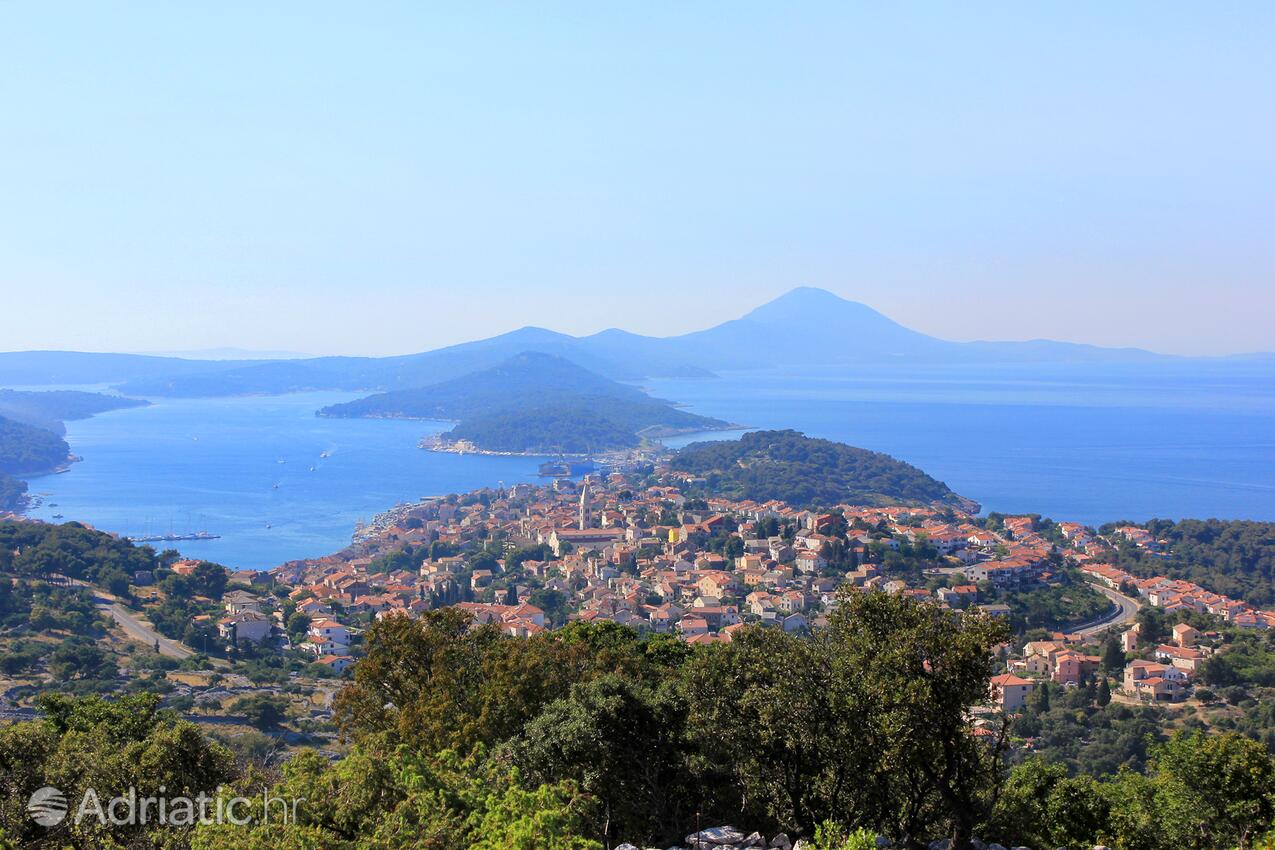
(1151, 626)
(620, 742)
(264, 711)
(1229, 781)
(785, 747)
(1113, 657)
(1104, 692)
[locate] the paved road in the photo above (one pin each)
(132, 625)
(137, 629)
(1126, 611)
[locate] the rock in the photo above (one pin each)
(941, 844)
(714, 836)
(883, 842)
(977, 845)
(754, 840)
(781, 842)
(1100, 847)
(995, 846)
(800, 845)
(625, 846)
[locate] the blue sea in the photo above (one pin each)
(241, 468)
(1093, 443)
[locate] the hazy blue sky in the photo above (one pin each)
(377, 177)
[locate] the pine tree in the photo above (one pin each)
(1104, 692)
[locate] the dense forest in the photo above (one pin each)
(39, 550)
(1232, 557)
(590, 735)
(806, 472)
(545, 430)
(26, 449)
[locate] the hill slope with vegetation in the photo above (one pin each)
(26, 449)
(808, 472)
(1232, 557)
(47, 409)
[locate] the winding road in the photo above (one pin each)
(1126, 611)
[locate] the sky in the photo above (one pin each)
(386, 178)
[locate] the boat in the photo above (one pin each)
(312, 469)
(280, 460)
(172, 538)
(275, 486)
(325, 454)
(57, 516)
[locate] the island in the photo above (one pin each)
(534, 403)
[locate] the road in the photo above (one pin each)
(133, 626)
(1126, 611)
(136, 628)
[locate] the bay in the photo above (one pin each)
(213, 465)
(1094, 444)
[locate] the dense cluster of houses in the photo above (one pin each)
(1166, 676)
(650, 558)
(1177, 595)
(653, 559)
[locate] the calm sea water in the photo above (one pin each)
(213, 465)
(1094, 445)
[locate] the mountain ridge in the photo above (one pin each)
(805, 326)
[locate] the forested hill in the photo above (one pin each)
(47, 409)
(1233, 557)
(534, 402)
(525, 380)
(546, 430)
(808, 472)
(26, 449)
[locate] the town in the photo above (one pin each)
(640, 553)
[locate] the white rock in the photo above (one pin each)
(754, 840)
(941, 844)
(714, 836)
(781, 842)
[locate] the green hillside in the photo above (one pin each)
(534, 402)
(25, 449)
(800, 470)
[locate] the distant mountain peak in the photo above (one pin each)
(812, 302)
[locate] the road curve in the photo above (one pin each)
(1126, 611)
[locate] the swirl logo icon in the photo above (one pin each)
(47, 806)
